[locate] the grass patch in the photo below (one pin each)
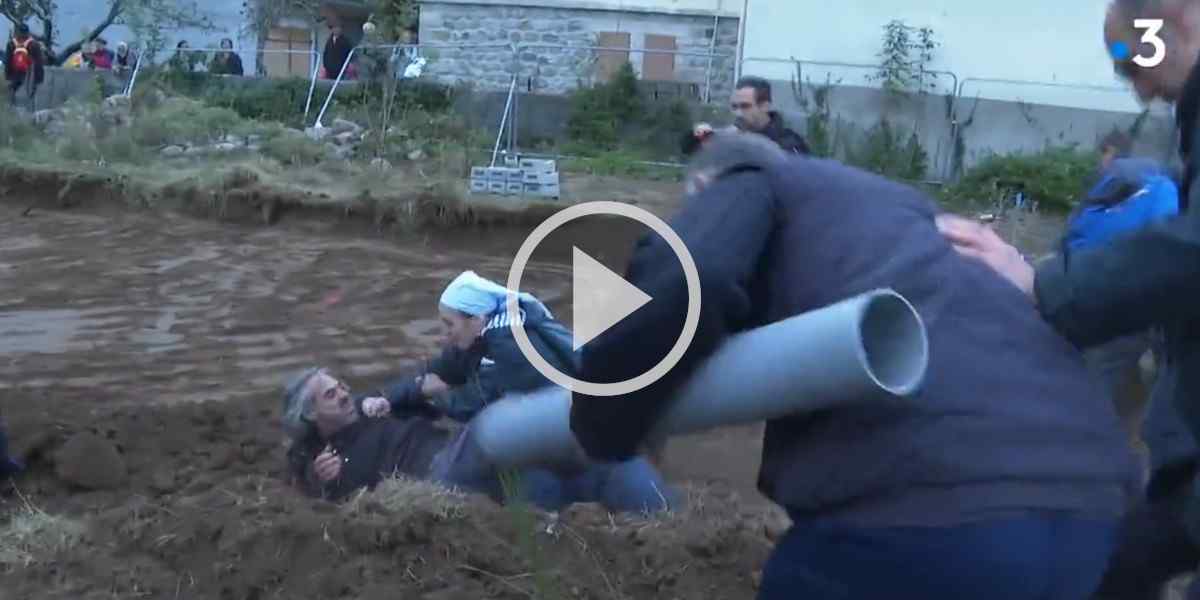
(32, 536)
(399, 496)
(1054, 178)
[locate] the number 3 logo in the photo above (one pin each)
(1152, 27)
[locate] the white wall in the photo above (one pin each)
(76, 15)
(1012, 39)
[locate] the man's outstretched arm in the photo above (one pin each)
(725, 228)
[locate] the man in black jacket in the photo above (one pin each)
(1144, 279)
(752, 111)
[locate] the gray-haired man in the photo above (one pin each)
(337, 449)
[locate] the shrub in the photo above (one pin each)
(1054, 177)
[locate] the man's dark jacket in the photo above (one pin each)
(1008, 421)
(777, 131)
(1149, 278)
(337, 52)
(372, 448)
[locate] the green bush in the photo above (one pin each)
(599, 113)
(291, 148)
(179, 121)
(1054, 177)
(887, 151)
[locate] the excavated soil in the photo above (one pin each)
(140, 356)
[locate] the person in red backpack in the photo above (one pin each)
(23, 63)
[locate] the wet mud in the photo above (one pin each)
(165, 337)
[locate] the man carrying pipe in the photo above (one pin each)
(1003, 478)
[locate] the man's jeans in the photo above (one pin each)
(631, 486)
(1039, 557)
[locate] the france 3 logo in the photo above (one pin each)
(1152, 27)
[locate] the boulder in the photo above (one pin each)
(46, 116)
(196, 150)
(90, 462)
(342, 126)
(226, 147)
(172, 151)
(233, 139)
(417, 154)
(346, 138)
(318, 133)
(381, 163)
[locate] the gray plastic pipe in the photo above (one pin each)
(869, 348)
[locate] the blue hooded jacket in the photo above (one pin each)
(1131, 194)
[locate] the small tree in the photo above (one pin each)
(905, 57)
(147, 18)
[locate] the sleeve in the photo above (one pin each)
(405, 397)
(796, 143)
(725, 228)
(1148, 278)
(455, 365)
(237, 66)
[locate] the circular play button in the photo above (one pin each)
(602, 298)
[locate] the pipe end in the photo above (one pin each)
(894, 342)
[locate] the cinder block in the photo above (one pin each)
(497, 187)
(479, 186)
(516, 188)
(497, 174)
(516, 175)
(479, 172)
(538, 165)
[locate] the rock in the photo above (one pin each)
(342, 126)
(254, 147)
(172, 151)
(45, 116)
(119, 102)
(417, 154)
(341, 152)
(226, 147)
(346, 138)
(90, 462)
(233, 139)
(381, 163)
(254, 139)
(318, 133)
(196, 150)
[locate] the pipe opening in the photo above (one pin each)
(894, 341)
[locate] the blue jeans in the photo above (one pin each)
(630, 486)
(1052, 557)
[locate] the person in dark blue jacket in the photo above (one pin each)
(1004, 478)
(482, 363)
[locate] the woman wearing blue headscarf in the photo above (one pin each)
(482, 362)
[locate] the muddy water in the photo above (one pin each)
(129, 308)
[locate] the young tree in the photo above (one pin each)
(147, 18)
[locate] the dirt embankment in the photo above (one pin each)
(192, 506)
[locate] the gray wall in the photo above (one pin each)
(986, 126)
(556, 70)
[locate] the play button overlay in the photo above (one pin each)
(602, 298)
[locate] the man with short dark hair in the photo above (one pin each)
(752, 111)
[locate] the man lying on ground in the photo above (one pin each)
(482, 364)
(1002, 479)
(338, 449)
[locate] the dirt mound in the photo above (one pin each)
(203, 514)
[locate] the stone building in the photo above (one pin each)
(555, 46)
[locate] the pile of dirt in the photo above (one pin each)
(199, 511)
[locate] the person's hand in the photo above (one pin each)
(432, 385)
(376, 407)
(978, 241)
(702, 130)
(328, 465)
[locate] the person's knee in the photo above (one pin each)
(635, 485)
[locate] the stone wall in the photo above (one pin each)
(548, 69)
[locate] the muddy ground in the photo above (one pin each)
(140, 356)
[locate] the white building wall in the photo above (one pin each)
(1031, 40)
